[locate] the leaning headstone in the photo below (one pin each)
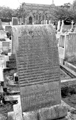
(14, 21)
(38, 66)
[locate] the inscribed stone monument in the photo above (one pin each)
(38, 66)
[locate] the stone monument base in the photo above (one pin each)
(55, 112)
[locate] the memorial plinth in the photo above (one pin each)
(38, 66)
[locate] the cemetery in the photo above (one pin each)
(38, 71)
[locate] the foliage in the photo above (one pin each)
(74, 5)
(5, 12)
(57, 12)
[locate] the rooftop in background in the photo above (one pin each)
(10, 3)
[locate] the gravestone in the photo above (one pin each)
(70, 46)
(14, 21)
(2, 32)
(1, 28)
(8, 28)
(58, 26)
(38, 66)
(6, 46)
(61, 40)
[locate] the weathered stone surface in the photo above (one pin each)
(38, 66)
(5, 46)
(1, 27)
(8, 28)
(70, 48)
(2, 117)
(14, 21)
(30, 116)
(11, 116)
(40, 95)
(61, 41)
(54, 112)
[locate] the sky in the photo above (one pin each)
(16, 3)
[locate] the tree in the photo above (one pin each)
(74, 5)
(6, 12)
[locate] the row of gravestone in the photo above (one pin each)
(16, 21)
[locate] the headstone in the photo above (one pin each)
(1, 28)
(58, 27)
(61, 30)
(61, 47)
(49, 21)
(2, 35)
(72, 24)
(70, 46)
(67, 46)
(17, 108)
(61, 40)
(37, 66)
(0, 47)
(6, 46)
(1, 74)
(46, 22)
(8, 28)
(14, 21)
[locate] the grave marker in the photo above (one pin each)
(1, 28)
(8, 28)
(14, 21)
(70, 46)
(6, 46)
(38, 66)
(67, 46)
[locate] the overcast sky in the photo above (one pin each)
(15, 3)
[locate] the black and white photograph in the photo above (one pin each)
(37, 60)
